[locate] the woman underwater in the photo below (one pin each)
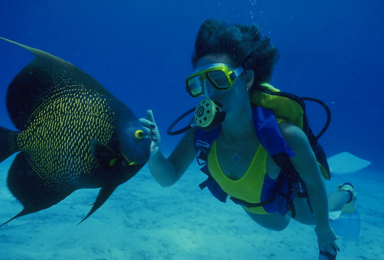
(236, 156)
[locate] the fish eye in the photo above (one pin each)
(139, 134)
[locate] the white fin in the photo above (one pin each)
(345, 225)
(346, 163)
(333, 215)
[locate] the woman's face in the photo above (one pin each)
(238, 93)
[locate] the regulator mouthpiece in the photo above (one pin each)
(208, 116)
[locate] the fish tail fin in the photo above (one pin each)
(22, 213)
(30, 189)
(101, 198)
(8, 143)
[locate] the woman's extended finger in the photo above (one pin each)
(335, 246)
(146, 123)
(150, 117)
(332, 248)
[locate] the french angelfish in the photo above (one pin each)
(73, 134)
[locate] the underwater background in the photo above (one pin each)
(141, 52)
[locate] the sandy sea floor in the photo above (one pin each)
(143, 221)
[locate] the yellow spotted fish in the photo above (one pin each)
(73, 134)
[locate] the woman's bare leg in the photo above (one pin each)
(336, 201)
(271, 221)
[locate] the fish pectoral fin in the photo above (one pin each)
(103, 154)
(104, 194)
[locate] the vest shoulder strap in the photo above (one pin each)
(268, 132)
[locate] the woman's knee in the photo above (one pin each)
(276, 226)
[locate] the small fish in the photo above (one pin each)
(73, 134)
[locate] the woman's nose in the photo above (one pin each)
(208, 89)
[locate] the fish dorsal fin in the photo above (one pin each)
(37, 52)
(103, 154)
(45, 78)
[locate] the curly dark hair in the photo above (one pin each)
(239, 42)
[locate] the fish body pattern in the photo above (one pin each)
(73, 134)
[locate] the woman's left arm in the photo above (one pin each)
(306, 165)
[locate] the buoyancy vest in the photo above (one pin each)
(270, 104)
(292, 109)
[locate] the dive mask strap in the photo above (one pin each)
(238, 71)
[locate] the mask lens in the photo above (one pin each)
(195, 86)
(218, 79)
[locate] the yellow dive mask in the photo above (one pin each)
(219, 75)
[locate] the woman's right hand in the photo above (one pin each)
(152, 131)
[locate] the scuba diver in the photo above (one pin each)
(265, 163)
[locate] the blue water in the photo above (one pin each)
(141, 51)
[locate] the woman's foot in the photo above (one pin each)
(349, 207)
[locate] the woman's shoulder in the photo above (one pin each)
(293, 135)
